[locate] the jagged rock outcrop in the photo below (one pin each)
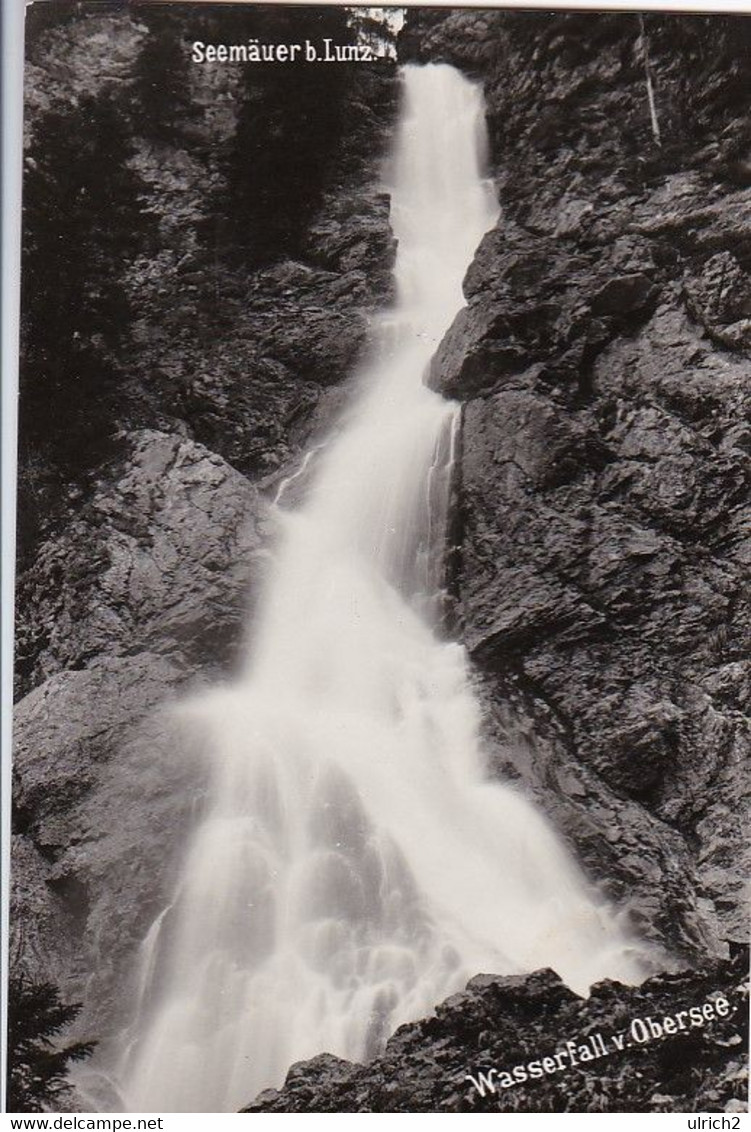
(502, 1022)
(180, 271)
(192, 307)
(603, 361)
(158, 559)
(139, 600)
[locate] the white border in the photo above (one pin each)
(12, 132)
(12, 135)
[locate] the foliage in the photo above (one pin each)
(288, 133)
(163, 109)
(37, 1064)
(375, 27)
(82, 223)
(148, 197)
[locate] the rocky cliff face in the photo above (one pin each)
(499, 1025)
(603, 362)
(175, 366)
(152, 294)
(602, 541)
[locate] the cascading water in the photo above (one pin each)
(354, 866)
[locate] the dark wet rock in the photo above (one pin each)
(140, 601)
(159, 559)
(354, 234)
(244, 372)
(214, 292)
(466, 39)
(534, 299)
(39, 927)
(502, 1022)
(718, 296)
(144, 504)
(624, 294)
(644, 869)
(602, 359)
(104, 782)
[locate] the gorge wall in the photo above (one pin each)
(191, 332)
(602, 535)
(603, 363)
(203, 250)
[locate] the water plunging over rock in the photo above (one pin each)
(354, 865)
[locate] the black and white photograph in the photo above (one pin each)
(382, 549)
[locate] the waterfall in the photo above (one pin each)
(355, 865)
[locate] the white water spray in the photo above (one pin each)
(355, 866)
